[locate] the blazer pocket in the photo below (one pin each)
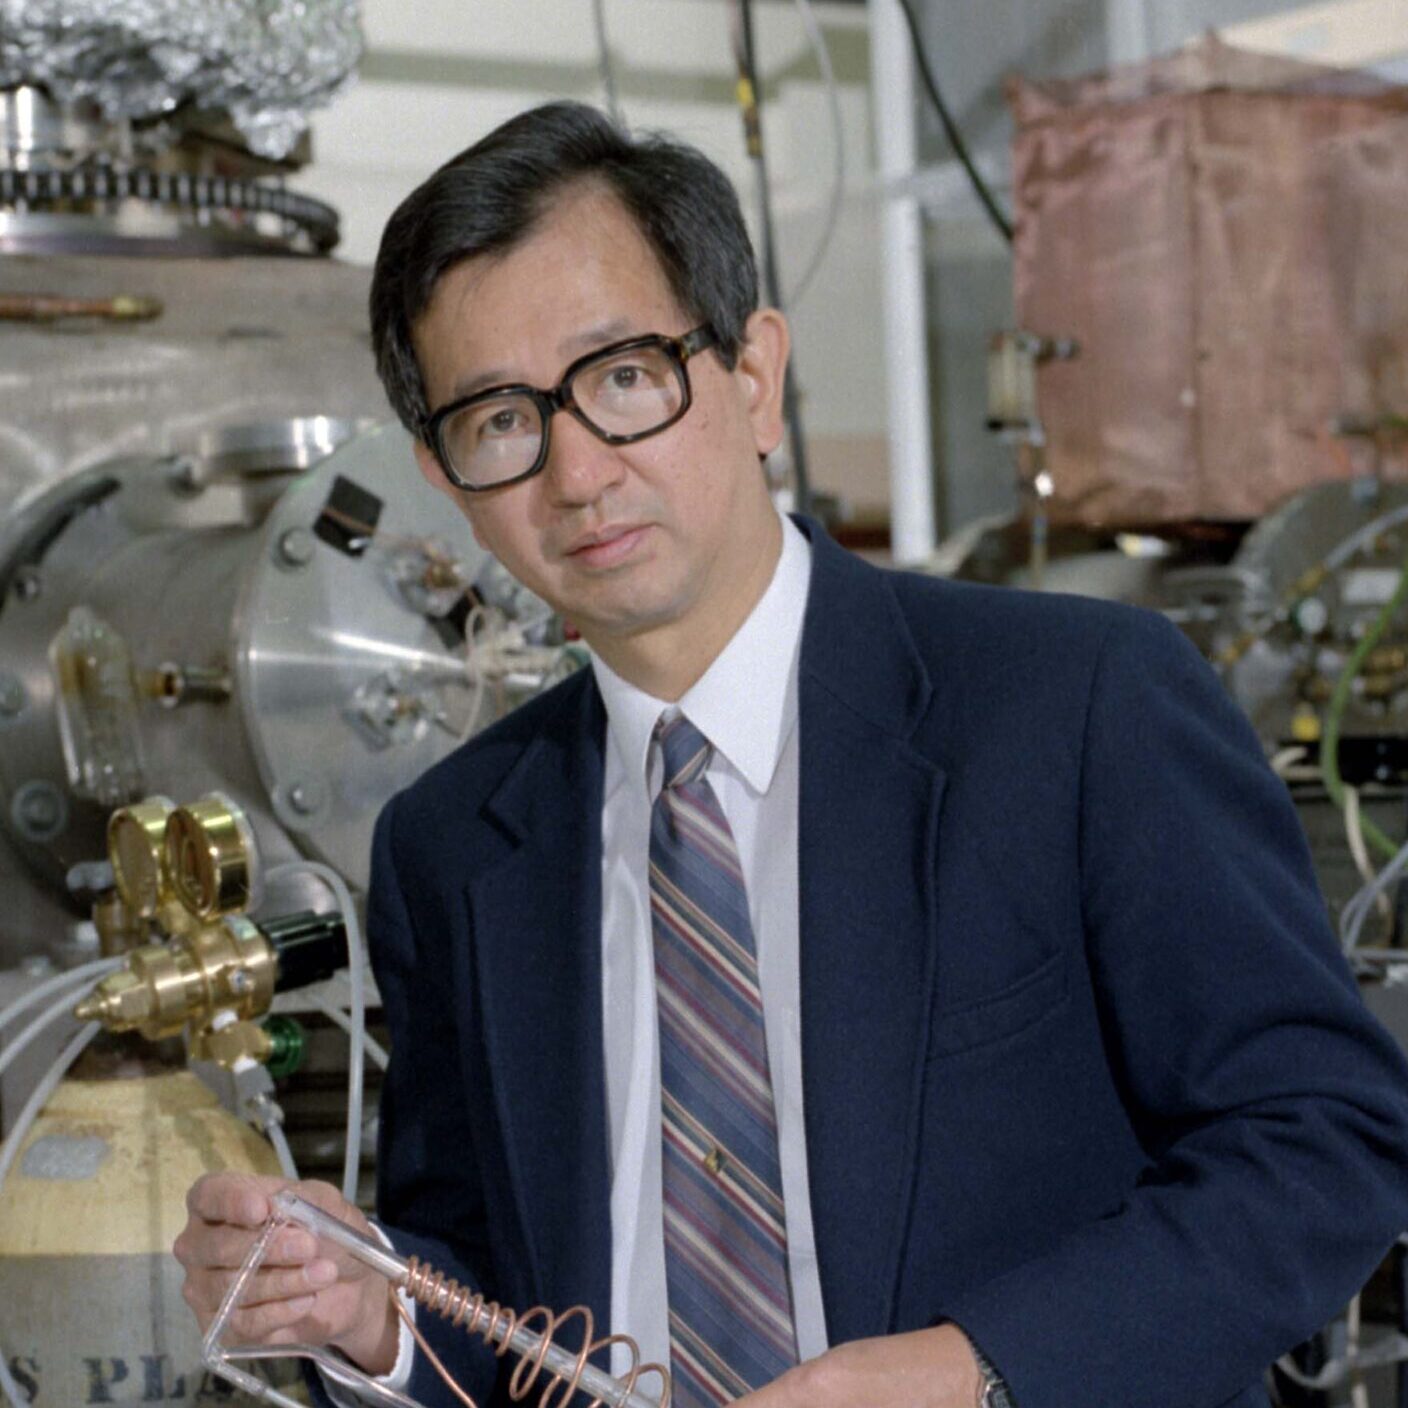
(971, 1025)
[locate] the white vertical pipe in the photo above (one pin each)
(1126, 31)
(912, 534)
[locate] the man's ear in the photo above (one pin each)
(433, 475)
(430, 467)
(762, 366)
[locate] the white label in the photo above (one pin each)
(1368, 586)
(70, 1157)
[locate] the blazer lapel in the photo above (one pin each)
(536, 921)
(869, 812)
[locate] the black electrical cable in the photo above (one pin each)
(753, 136)
(1004, 225)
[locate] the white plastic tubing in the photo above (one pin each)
(69, 986)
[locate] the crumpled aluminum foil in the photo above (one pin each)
(267, 63)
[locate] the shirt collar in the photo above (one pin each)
(745, 703)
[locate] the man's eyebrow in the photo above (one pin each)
(598, 335)
(467, 386)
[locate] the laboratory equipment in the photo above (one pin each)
(532, 1335)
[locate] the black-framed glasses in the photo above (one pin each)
(621, 393)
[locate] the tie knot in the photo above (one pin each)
(685, 750)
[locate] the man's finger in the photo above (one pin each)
(205, 1290)
(257, 1323)
(289, 1285)
(223, 1247)
(238, 1198)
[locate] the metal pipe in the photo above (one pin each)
(912, 516)
(51, 307)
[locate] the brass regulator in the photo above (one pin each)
(188, 875)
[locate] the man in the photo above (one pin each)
(1058, 1077)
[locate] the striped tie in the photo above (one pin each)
(730, 1300)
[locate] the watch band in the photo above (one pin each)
(995, 1391)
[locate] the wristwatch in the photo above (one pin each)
(995, 1392)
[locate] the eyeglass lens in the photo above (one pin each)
(626, 393)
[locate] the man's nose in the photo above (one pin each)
(580, 466)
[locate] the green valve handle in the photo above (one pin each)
(290, 1045)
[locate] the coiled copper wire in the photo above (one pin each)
(495, 1324)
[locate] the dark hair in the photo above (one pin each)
(491, 196)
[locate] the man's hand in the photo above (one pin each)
(307, 1291)
(922, 1369)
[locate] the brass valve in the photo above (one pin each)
(225, 966)
(232, 1043)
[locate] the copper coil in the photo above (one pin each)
(495, 1324)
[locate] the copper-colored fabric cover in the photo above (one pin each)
(1226, 234)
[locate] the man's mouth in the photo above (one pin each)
(605, 547)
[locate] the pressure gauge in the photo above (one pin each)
(211, 857)
(136, 851)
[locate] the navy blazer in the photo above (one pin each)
(1083, 1068)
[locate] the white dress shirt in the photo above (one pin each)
(746, 706)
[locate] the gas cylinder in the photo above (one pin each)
(90, 1294)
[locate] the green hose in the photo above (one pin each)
(1334, 715)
